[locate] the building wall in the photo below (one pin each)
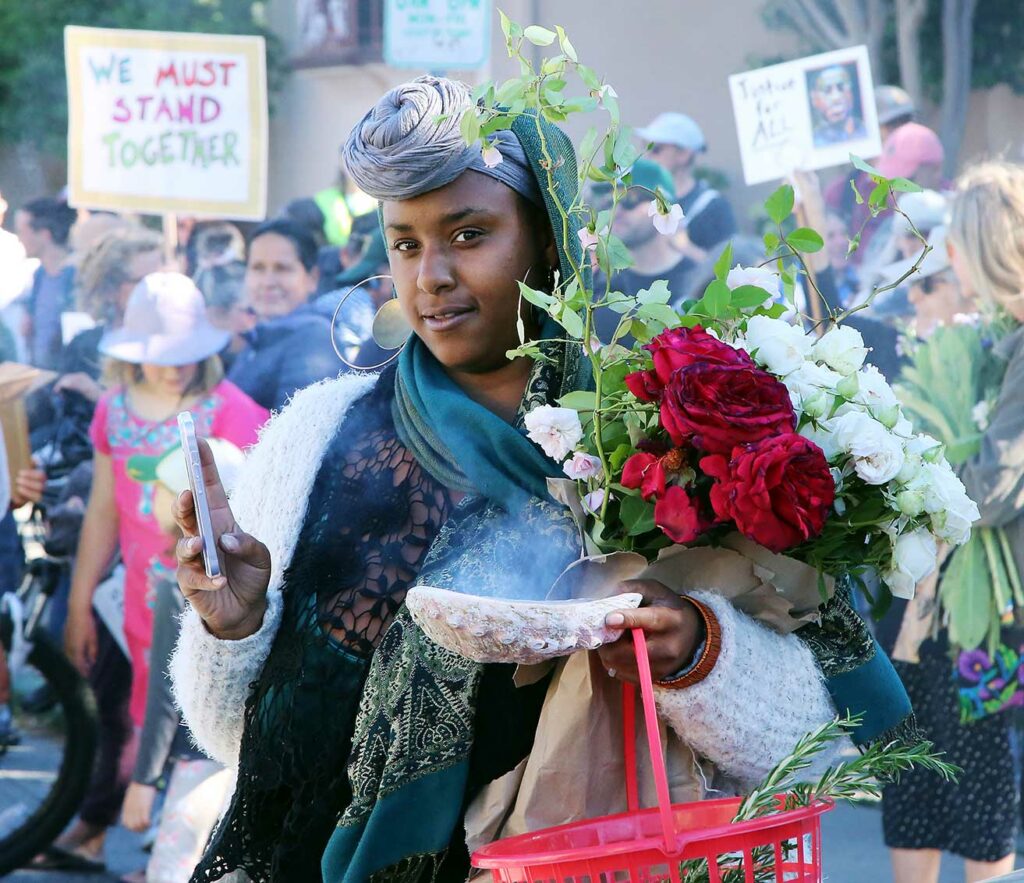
(659, 55)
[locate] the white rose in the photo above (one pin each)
(873, 391)
(877, 454)
(945, 499)
(923, 444)
(759, 277)
(913, 557)
(581, 467)
(912, 463)
(556, 430)
(811, 382)
(822, 433)
(777, 345)
(910, 503)
(593, 501)
(841, 348)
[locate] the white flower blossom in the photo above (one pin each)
(556, 430)
(581, 467)
(491, 155)
(759, 277)
(873, 391)
(877, 454)
(588, 238)
(593, 501)
(666, 223)
(981, 414)
(778, 346)
(914, 557)
(945, 498)
(842, 349)
(812, 388)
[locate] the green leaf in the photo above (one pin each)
(579, 400)
(588, 145)
(637, 515)
(658, 293)
(539, 36)
(863, 166)
(856, 192)
(771, 242)
(904, 185)
(722, 264)
(509, 91)
(590, 79)
(469, 126)
(570, 320)
(659, 313)
(879, 194)
(624, 152)
(780, 204)
(717, 298)
(538, 298)
(746, 296)
(509, 28)
(806, 240)
(567, 47)
(853, 245)
(580, 105)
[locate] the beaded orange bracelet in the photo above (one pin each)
(712, 648)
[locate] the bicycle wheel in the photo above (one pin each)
(44, 777)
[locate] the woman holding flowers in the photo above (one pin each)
(978, 817)
(359, 743)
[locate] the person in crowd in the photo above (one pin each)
(218, 244)
(167, 760)
(91, 227)
(161, 360)
(358, 743)
(837, 245)
(911, 150)
(352, 311)
(894, 108)
(15, 275)
(43, 226)
(340, 205)
(307, 214)
(708, 220)
(291, 347)
(977, 817)
(654, 255)
(228, 308)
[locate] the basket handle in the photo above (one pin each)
(643, 665)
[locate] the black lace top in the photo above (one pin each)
(371, 519)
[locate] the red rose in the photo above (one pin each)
(717, 407)
(778, 491)
(677, 348)
(678, 516)
(644, 471)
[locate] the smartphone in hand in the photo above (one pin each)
(190, 448)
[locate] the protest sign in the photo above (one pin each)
(437, 34)
(167, 122)
(805, 114)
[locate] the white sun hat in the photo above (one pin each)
(164, 324)
(675, 128)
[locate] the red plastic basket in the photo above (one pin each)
(660, 843)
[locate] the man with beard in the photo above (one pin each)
(655, 256)
(836, 118)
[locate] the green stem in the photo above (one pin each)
(1011, 567)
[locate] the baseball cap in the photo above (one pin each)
(907, 149)
(926, 209)
(674, 128)
(892, 102)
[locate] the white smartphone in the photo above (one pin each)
(194, 467)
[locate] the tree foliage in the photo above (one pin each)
(33, 92)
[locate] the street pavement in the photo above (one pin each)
(853, 850)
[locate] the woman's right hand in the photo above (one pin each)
(80, 642)
(231, 605)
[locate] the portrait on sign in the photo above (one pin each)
(810, 113)
(837, 112)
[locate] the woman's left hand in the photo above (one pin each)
(673, 628)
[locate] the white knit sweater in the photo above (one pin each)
(764, 693)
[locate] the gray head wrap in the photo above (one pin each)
(398, 150)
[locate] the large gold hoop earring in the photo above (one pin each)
(390, 330)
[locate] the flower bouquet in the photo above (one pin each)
(730, 424)
(730, 416)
